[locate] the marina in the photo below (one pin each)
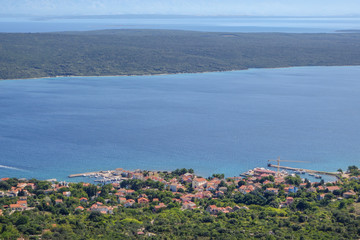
(314, 173)
(102, 176)
(119, 174)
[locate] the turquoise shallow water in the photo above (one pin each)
(213, 122)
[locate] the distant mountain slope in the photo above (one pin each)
(138, 52)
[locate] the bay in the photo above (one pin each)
(223, 122)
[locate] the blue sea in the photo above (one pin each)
(222, 122)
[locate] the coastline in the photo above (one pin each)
(104, 176)
(170, 74)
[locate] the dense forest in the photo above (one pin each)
(138, 52)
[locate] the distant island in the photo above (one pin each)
(349, 31)
(147, 52)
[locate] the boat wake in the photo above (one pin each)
(12, 168)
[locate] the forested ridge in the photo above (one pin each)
(139, 52)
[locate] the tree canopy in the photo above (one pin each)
(139, 52)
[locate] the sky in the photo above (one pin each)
(182, 7)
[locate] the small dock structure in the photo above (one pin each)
(88, 174)
(336, 174)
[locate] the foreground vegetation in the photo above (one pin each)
(85, 211)
(138, 52)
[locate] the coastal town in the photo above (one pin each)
(185, 187)
(157, 191)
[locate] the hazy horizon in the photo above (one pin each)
(260, 8)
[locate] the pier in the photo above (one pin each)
(336, 174)
(112, 176)
(88, 174)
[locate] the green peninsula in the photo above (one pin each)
(140, 52)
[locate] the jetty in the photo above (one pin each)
(109, 176)
(87, 174)
(336, 174)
